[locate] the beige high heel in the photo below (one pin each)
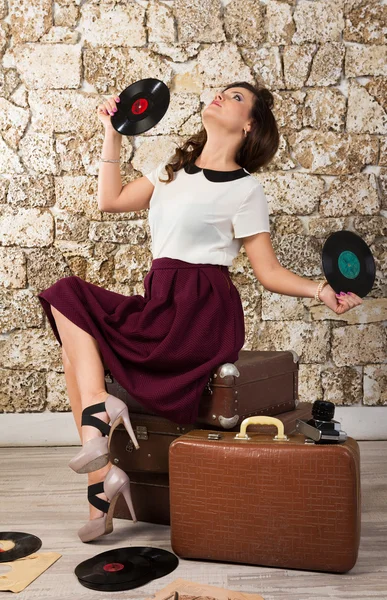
(116, 482)
(94, 454)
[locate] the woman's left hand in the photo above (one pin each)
(339, 303)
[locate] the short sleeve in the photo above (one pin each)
(153, 175)
(253, 214)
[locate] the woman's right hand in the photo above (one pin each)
(106, 110)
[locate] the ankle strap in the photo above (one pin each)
(88, 419)
(92, 490)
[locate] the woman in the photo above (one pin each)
(163, 347)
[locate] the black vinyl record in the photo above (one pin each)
(348, 263)
(125, 568)
(142, 105)
(25, 544)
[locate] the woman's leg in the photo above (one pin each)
(73, 391)
(84, 374)
(85, 370)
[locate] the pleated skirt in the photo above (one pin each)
(161, 346)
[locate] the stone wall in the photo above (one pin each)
(326, 64)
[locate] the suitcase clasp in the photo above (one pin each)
(214, 436)
(141, 432)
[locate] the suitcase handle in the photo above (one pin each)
(261, 420)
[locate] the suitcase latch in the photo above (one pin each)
(141, 432)
(215, 436)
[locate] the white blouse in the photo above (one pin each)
(203, 215)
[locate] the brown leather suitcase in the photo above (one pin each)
(150, 489)
(259, 382)
(288, 503)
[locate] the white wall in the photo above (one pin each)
(58, 429)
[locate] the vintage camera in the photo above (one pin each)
(322, 428)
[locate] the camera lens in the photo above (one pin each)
(323, 410)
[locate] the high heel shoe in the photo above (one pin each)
(116, 482)
(94, 454)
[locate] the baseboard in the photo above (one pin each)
(58, 429)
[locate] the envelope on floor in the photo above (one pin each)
(25, 570)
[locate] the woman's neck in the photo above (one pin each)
(217, 158)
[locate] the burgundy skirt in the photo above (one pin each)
(161, 347)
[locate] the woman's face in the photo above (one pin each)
(230, 108)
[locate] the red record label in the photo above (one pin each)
(113, 567)
(140, 106)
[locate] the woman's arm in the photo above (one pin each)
(109, 174)
(275, 278)
(283, 281)
(269, 271)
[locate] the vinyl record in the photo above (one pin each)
(125, 568)
(162, 561)
(348, 263)
(142, 105)
(25, 544)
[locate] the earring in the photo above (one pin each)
(245, 132)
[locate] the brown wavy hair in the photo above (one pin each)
(258, 147)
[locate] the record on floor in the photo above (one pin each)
(24, 545)
(142, 105)
(348, 263)
(125, 568)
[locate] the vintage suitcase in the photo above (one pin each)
(259, 382)
(150, 489)
(150, 496)
(155, 434)
(286, 502)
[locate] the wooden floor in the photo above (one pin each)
(40, 494)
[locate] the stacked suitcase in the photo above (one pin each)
(259, 383)
(242, 484)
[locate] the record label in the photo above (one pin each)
(349, 264)
(113, 567)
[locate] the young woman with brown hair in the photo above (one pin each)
(162, 347)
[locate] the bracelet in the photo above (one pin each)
(109, 160)
(319, 288)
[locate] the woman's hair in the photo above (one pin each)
(257, 148)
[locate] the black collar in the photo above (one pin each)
(216, 176)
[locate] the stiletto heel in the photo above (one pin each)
(119, 412)
(95, 453)
(125, 491)
(116, 482)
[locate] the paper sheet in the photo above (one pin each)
(191, 590)
(25, 570)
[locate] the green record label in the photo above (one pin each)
(348, 264)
